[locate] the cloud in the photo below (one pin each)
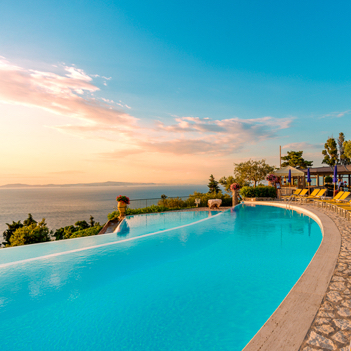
(68, 94)
(301, 146)
(336, 114)
(71, 94)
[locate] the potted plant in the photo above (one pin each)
(235, 190)
(123, 201)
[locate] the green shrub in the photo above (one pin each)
(262, 191)
(30, 234)
(204, 197)
(176, 202)
(328, 179)
(113, 215)
(86, 232)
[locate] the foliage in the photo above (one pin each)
(260, 191)
(176, 202)
(347, 149)
(123, 198)
(252, 171)
(70, 231)
(330, 153)
(328, 179)
(10, 230)
(235, 186)
(213, 186)
(344, 159)
(295, 159)
(30, 220)
(204, 197)
(82, 225)
(94, 230)
(30, 234)
(91, 221)
(113, 215)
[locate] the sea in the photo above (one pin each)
(65, 206)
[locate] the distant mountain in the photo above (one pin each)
(19, 185)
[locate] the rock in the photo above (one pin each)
(326, 314)
(337, 286)
(344, 312)
(347, 292)
(338, 279)
(343, 324)
(320, 341)
(327, 306)
(320, 321)
(340, 337)
(334, 296)
(346, 303)
(324, 329)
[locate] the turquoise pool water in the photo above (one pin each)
(206, 286)
(139, 225)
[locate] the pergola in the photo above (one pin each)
(298, 176)
(318, 174)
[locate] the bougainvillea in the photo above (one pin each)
(234, 186)
(122, 198)
(272, 178)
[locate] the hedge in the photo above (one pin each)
(260, 191)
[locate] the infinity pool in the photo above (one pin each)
(205, 286)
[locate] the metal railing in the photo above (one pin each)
(141, 203)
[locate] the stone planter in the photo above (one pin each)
(235, 196)
(122, 206)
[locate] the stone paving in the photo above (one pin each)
(331, 328)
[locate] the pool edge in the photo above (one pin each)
(288, 325)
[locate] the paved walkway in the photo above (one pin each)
(331, 328)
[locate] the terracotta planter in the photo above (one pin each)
(122, 206)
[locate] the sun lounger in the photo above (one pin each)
(289, 197)
(324, 202)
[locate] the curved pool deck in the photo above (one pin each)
(289, 327)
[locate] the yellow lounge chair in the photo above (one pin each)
(316, 194)
(323, 202)
(295, 193)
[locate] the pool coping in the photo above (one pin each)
(288, 325)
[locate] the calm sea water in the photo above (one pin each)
(65, 206)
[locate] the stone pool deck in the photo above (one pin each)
(331, 327)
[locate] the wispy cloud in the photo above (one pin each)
(69, 94)
(301, 146)
(72, 94)
(336, 114)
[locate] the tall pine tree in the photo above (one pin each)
(213, 185)
(330, 152)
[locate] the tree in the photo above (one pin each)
(252, 171)
(295, 159)
(330, 153)
(91, 221)
(31, 234)
(226, 182)
(81, 225)
(213, 185)
(344, 159)
(29, 221)
(7, 234)
(347, 149)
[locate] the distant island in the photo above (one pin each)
(19, 185)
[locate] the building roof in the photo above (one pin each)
(327, 170)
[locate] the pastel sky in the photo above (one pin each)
(167, 91)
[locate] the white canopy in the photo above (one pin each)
(284, 171)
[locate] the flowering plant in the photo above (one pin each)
(234, 186)
(272, 178)
(122, 198)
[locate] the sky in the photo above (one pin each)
(167, 91)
